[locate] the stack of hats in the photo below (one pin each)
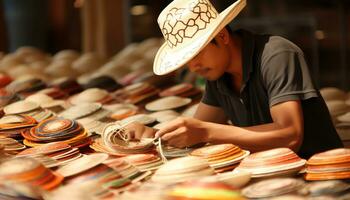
(332, 93)
(343, 128)
(337, 108)
(274, 162)
(46, 102)
(59, 68)
(91, 95)
(167, 103)
(331, 187)
(98, 146)
(29, 171)
(153, 79)
(126, 169)
(26, 85)
(82, 190)
(103, 82)
(53, 92)
(165, 115)
(6, 97)
(87, 62)
(182, 90)
(273, 187)
(182, 169)
(148, 189)
(344, 118)
(108, 177)
(174, 152)
(236, 179)
(60, 152)
(11, 145)
(4, 80)
(9, 190)
(331, 164)
(91, 110)
(57, 129)
(140, 118)
(136, 93)
(92, 125)
(116, 140)
(82, 164)
(202, 190)
(119, 106)
(28, 108)
(91, 167)
(2, 152)
(144, 162)
(336, 101)
(45, 160)
(66, 54)
(112, 68)
(67, 85)
(13, 125)
(123, 113)
(222, 157)
(129, 78)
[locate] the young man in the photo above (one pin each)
(260, 83)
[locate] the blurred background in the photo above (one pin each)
(319, 27)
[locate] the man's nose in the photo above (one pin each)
(193, 65)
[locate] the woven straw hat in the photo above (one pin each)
(188, 26)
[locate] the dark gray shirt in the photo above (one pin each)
(274, 71)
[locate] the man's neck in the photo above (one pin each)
(235, 68)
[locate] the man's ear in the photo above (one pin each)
(224, 36)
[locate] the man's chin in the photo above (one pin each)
(210, 78)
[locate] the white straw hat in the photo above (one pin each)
(188, 26)
(44, 100)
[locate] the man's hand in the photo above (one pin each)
(184, 132)
(137, 131)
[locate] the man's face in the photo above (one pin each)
(211, 62)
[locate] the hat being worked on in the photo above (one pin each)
(188, 26)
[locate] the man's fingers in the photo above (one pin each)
(134, 130)
(130, 134)
(138, 131)
(148, 133)
(169, 127)
(172, 135)
(176, 142)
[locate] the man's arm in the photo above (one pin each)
(209, 113)
(204, 112)
(285, 131)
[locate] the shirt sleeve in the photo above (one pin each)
(286, 77)
(209, 97)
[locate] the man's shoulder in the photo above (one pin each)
(278, 44)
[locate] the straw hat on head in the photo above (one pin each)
(188, 26)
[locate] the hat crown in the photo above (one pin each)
(182, 20)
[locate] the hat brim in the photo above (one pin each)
(54, 103)
(168, 60)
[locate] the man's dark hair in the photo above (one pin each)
(228, 28)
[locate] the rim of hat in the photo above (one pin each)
(169, 59)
